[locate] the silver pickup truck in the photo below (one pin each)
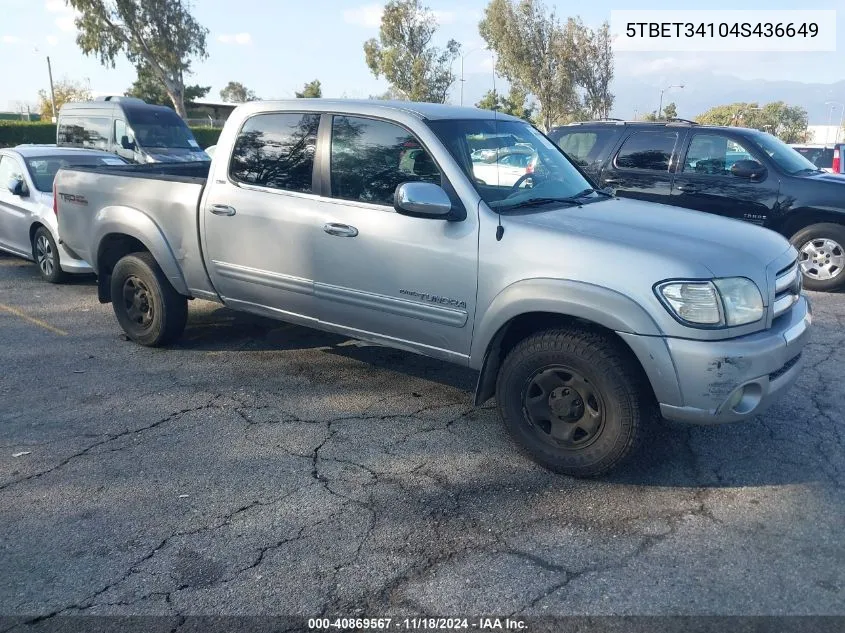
(584, 314)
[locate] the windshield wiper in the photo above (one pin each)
(536, 202)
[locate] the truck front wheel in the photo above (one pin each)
(145, 303)
(573, 400)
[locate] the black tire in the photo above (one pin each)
(45, 252)
(145, 303)
(593, 370)
(821, 255)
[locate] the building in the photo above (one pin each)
(824, 134)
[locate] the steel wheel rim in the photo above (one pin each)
(44, 255)
(137, 302)
(822, 259)
(563, 407)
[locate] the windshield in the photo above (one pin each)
(785, 156)
(43, 169)
(160, 127)
(529, 168)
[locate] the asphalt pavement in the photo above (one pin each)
(259, 468)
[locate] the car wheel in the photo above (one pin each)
(821, 255)
(46, 255)
(573, 400)
(145, 303)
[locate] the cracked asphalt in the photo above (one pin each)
(260, 468)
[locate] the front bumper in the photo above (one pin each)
(729, 380)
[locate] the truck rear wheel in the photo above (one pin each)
(145, 303)
(573, 400)
(821, 255)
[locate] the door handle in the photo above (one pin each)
(340, 230)
(688, 188)
(222, 209)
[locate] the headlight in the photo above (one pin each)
(742, 300)
(719, 303)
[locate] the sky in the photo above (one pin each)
(275, 46)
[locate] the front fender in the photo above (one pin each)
(120, 220)
(599, 305)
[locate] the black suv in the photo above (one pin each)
(736, 172)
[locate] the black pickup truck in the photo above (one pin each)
(736, 172)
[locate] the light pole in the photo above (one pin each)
(464, 56)
(660, 107)
(833, 104)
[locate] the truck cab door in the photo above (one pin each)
(381, 275)
(642, 167)
(260, 216)
(705, 180)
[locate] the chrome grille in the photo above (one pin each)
(787, 289)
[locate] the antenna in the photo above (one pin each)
(500, 230)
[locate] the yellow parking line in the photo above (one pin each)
(32, 320)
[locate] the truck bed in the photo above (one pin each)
(145, 202)
(173, 172)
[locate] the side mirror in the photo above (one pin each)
(750, 169)
(125, 143)
(422, 200)
(18, 187)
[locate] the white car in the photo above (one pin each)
(210, 150)
(510, 169)
(28, 224)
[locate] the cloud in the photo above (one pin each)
(9, 39)
(368, 16)
(241, 39)
(65, 15)
(52, 40)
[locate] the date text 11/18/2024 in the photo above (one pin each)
(417, 624)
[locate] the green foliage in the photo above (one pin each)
(206, 136)
(18, 132)
(65, 91)
(565, 66)
(160, 33)
(404, 54)
(236, 92)
(150, 89)
(670, 111)
(311, 90)
(515, 103)
(789, 123)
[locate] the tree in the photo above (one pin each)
(65, 91)
(789, 123)
(514, 103)
(405, 56)
(670, 111)
(311, 90)
(594, 69)
(160, 33)
(236, 92)
(535, 53)
(151, 90)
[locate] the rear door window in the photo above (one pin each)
(276, 151)
(649, 150)
(586, 148)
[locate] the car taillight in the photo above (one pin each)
(55, 199)
(835, 166)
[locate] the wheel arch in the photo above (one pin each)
(534, 305)
(121, 231)
(803, 217)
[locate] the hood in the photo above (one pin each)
(175, 154)
(724, 246)
(838, 179)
